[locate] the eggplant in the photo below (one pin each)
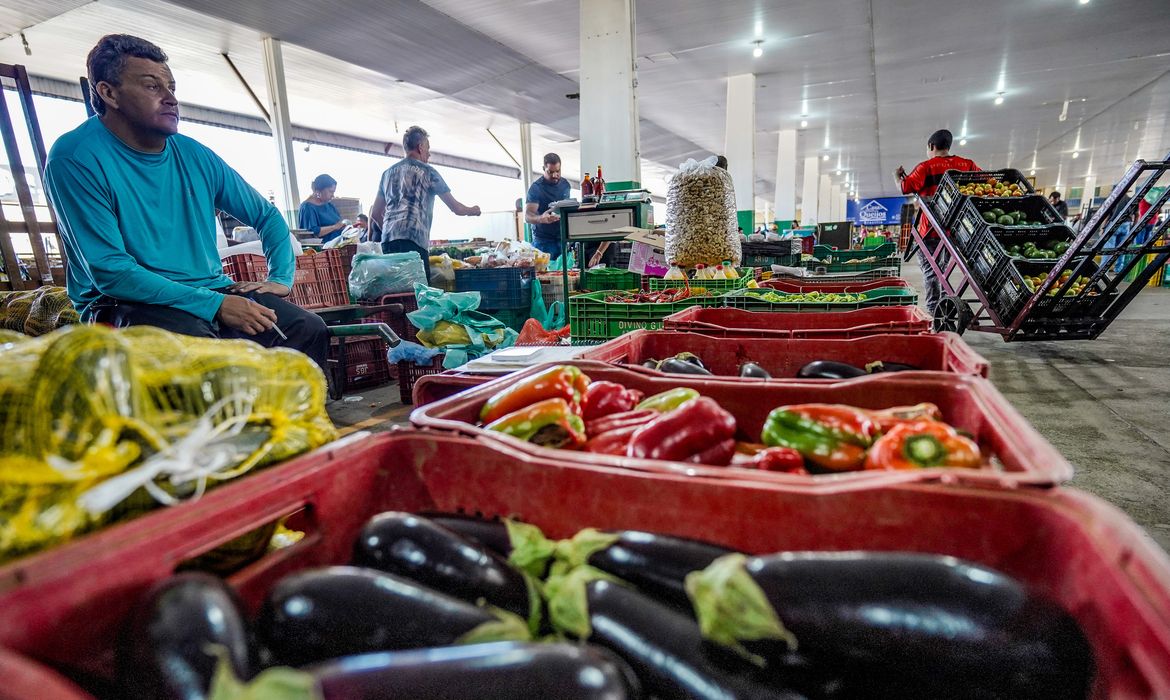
(911, 625)
(165, 646)
(883, 366)
(343, 610)
(673, 365)
(651, 363)
(751, 369)
(691, 358)
(500, 670)
(667, 651)
(492, 534)
(827, 369)
(416, 548)
(656, 564)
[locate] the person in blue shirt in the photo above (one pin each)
(136, 202)
(318, 214)
(405, 202)
(551, 187)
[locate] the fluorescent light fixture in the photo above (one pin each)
(962, 142)
(999, 99)
(1084, 2)
(803, 123)
(759, 50)
(759, 28)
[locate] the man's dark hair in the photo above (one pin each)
(363, 217)
(1054, 194)
(413, 138)
(721, 162)
(551, 159)
(941, 140)
(107, 59)
(323, 182)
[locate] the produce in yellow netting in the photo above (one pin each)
(36, 311)
(98, 424)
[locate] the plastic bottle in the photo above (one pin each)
(598, 184)
(718, 273)
(675, 272)
(729, 271)
(701, 272)
(586, 189)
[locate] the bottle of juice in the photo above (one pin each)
(586, 189)
(717, 273)
(729, 271)
(675, 272)
(701, 272)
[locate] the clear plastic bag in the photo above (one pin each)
(374, 276)
(701, 216)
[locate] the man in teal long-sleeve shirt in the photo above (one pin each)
(136, 202)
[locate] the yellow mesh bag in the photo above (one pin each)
(97, 424)
(11, 337)
(36, 311)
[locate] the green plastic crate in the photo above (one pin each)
(882, 296)
(591, 318)
(886, 257)
(747, 274)
(512, 318)
(610, 278)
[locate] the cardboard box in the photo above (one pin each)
(647, 256)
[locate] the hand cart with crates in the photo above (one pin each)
(1032, 278)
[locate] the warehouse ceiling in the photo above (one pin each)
(1085, 87)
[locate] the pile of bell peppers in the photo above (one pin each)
(561, 408)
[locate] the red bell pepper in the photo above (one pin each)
(613, 442)
(560, 382)
(620, 420)
(887, 418)
(753, 455)
(549, 423)
(921, 445)
(605, 398)
(696, 428)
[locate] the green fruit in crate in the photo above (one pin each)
(1006, 220)
(1018, 216)
(997, 211)
(990, 217)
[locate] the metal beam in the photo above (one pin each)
(281, 126)
(247, 88)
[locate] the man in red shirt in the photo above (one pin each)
(923, 181)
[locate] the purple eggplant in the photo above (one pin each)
(416, 548)
(500, 670)
(827, 369)
(164, 650)
(492, 534)
(667, 651)
(913, 625)
(344, 610)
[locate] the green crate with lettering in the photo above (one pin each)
(592, 318)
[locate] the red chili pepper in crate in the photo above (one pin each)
(548, 423)
(615, 421)
(606, 398)
(887, 418)
(753, 455)
(698, 429)
(921, 445)
(560, 382)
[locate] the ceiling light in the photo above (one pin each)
(838, 172)
(1032, 172)
(999, 99)
(759, 50)
(803, 123)
(1076, 154)
(1084, 2)
(962, 142)
(759, 28)
(825, 157)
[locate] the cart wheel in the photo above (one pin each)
(952, 314)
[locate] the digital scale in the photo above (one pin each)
(601, 221)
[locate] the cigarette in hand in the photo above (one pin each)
(279, 332)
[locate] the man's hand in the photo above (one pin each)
(472, 211)
(900, 173)
(263, 287)
(243, 314)
(549, 217)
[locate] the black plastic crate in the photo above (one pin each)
(757, 254)
(1008, 293)
(948, 201)
(499, 288)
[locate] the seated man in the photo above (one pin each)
(136, 204)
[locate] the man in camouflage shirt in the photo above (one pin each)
(406, 199)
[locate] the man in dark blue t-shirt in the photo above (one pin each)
(546, 231)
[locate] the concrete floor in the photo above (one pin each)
(1105, 404)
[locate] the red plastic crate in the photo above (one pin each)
(435, 387)
(409, 373)
(726, 322)
(398, 322)
(1062, 543)
(795, 287)
(365, 360)
(321, 280)
(783, 357)
(972, 404)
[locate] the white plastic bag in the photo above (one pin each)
(700, 216)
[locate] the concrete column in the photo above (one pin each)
(835, 203)
(609, 105)
(786, 179)
(526, 164)
(740, 144)
(810, 193)
(825, 200)
(281, 124)
(1087, 196)
(842, 204)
